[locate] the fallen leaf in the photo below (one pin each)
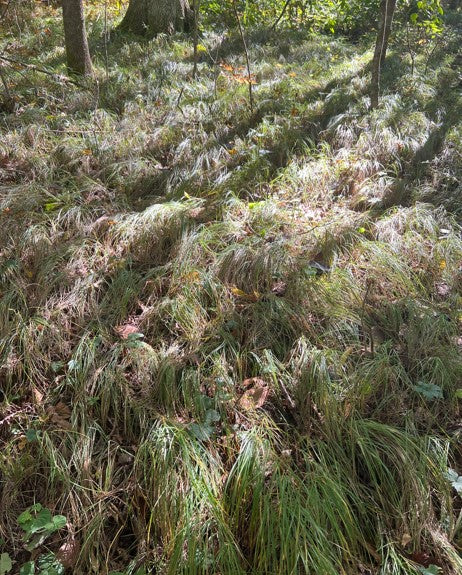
(405, 539)
(125, 330)
(60, 415)
(422, 558)
(37, 396)
(254, 397)
(68, 553)
(62, 410)
(442, 289)
(279, 288)
(253, 297)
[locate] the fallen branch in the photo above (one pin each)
(35, 68)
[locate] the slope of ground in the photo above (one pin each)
(231, 340)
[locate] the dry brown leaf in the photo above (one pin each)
(60, 415)
(405, 539)
(279, 288)
(125, 330)
(255, 396)
(37, 396)
(442, 289)
(68, 553)
(62, 410)
(254, 381)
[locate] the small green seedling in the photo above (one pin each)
(428, 390)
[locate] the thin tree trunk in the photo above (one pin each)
(387, 10)
(75, 37)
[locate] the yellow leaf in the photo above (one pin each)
(442, 264)
(193, 276)
(22, 443)
(255, 296)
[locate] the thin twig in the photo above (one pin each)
(290, 402)
(5, 10)
(246, 51)
(363, 314)
(279, 18)
(179, 100)
(5, 84)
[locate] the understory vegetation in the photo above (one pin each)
(230, 339)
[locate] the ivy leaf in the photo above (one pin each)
(5, 563)
(49, 565)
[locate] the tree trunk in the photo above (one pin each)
(75, 37)
(151, 17)
(387, 11)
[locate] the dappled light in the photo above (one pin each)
(230, 290)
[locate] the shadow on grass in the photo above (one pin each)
(417, 168)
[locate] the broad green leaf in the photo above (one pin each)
(41, 522)
(430, 570)
(455, 479)
(201, 431)
(28, 568)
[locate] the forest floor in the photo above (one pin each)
(230, 339)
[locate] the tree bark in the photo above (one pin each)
(151, 17)
(387, 11)
(75, 37)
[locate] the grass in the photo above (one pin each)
(167, 255)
